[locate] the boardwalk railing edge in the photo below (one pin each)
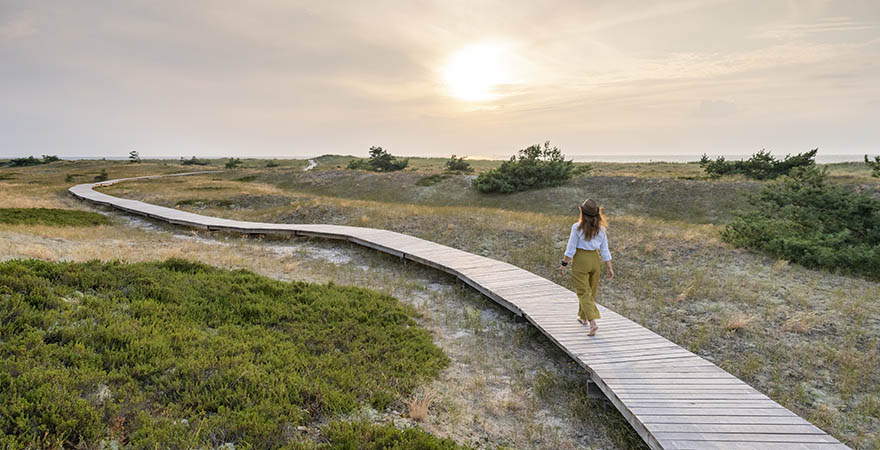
(644, 375)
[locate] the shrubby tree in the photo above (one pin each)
(31, 161)
(874, 165)
(458, 165)
(233, 163)
(102, 176)
(134, 156)
(533, 167)
(761, 166)
(379, 161)
(193, 161)
(805, 219)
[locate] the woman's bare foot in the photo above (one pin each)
(593, 328)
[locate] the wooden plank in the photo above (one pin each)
(752, 437)
(749, 412)
(763, 428)
(708, 395)
(726, 445)
(704, 419)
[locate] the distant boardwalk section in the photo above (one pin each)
(673, 398)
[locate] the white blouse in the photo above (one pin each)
(577, 240)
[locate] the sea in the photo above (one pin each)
(821, 158)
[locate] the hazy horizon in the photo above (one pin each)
(296, 79)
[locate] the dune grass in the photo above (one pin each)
(180, 354)
(51, 216)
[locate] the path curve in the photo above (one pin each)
(673, 398)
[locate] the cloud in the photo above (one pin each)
(829, 25)
(715, 108)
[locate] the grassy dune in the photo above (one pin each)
(807, 338)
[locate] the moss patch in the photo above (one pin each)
(51, 216)
(180, 354)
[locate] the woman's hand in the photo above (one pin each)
(610, 272)
(561, 269)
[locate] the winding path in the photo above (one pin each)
(673, 398)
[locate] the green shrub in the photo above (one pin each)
(48, 216)
(69, 178)
(458, 165)
(178, 354)
(233, 163)
(874, 165)
(804, 219)
(379, 161)
(134, 157)
(366, 436)
(761, 165)
(31, 161)
(271, 164)
(433, 179)
(194, 162)
(102, 176)
(532, 168)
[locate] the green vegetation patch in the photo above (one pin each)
(51, 216)
(31, 161)
(534, 167)
(365, 436)
(182, 355)
(379, 161)
(804, 219)
(761, 166)
(431, 180)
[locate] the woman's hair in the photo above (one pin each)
(592, 219)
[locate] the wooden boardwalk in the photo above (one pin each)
(673, 398)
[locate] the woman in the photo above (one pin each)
(587, 244)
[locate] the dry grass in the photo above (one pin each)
(801, 323)
(737, 322)
(418, 405)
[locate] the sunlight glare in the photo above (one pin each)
(473, 73)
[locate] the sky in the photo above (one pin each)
(284, 78)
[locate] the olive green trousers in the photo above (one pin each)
(585, 268)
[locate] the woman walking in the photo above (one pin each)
(587, 244)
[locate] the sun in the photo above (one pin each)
(473, 72)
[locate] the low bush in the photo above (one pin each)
(458, 165)
(31, 161)
(271, 164)
(232, 163)
(379, 161)
(366, 436)
(874, 165)
(805, 219)
(433, 179)
(194, 162)
(178, 354)
(532, 168)
(50, 216)
(761, 166)
(102, 176)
